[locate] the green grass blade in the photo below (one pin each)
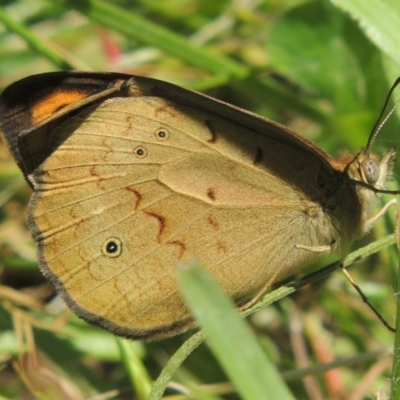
(396, 352)
(225, 69)
(138, 28)
(396, 356)
(230, 338)
(37, 44)
(137, 372)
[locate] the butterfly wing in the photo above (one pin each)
(138, 176)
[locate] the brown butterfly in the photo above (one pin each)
(132, 176)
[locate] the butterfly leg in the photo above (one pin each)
(369, 224)
(268, 284)
(314, 249)
(260, 293)
(364, 298)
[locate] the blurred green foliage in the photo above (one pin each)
(316, 66)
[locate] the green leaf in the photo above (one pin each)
(380, 20)
(330, 56)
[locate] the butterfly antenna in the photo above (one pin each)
(378, 125)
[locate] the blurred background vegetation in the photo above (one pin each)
(321, 67)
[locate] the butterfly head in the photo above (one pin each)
(373, 170)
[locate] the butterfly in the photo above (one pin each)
(132, 176)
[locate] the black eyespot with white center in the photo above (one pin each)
(371, 170)
(112, 247)
(162, 134)
(140, 152)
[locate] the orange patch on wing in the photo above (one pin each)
(49, 105)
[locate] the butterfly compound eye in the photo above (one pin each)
(371, 171)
